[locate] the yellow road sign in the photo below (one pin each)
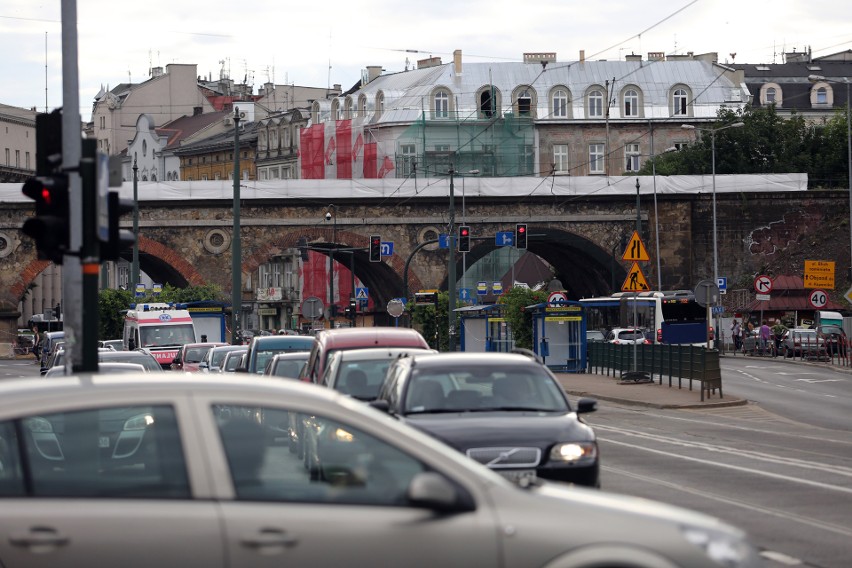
(819, 274)
(635, 250)
(635, 281)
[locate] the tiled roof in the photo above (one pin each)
(185, 126)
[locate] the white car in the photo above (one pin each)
(181, 464)
(627, 336)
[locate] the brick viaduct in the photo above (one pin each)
(188, 242)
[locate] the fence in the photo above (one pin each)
(681, 362)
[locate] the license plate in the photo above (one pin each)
(520, 476)
(103, 441)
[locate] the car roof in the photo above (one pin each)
(380, 353)
(358, 336)
(283, 341)
(488, 359)
(298, 355)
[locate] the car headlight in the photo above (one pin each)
(139, 422)
(574, 451)
(724, 548)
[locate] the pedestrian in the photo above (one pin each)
(737, 334)
(764, 336)
(778, 331)
(36, 342)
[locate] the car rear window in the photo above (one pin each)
(629, 335)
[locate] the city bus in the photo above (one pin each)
(672, 317)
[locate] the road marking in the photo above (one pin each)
(818, 380)
(781, 558)
(736, 502)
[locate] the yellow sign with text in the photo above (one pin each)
(819, 274)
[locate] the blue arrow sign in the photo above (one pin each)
(464, 293)
(387, 248)
(504, 239)
(443, 241)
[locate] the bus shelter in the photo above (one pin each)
(559, 335)
(483, 329)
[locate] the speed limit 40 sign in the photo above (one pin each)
(818, 299)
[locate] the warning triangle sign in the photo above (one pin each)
(635, 250)
(635, 281)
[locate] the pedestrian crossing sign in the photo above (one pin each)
(635, 281)
(636, 250)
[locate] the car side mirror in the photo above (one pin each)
(381, 405)
(585, 405)
(434, 491)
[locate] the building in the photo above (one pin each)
(540, 117)
(278, 144)
(18, 135)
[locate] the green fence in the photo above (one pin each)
(681, 362)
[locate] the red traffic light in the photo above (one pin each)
(522, 229)
(464, 232)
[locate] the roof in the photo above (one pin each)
(248, 135)
(180, 128)
(788, 294)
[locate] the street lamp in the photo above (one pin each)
(134, 267)
(817, 79)
(236, 252)
(713, 132)
(331, 215)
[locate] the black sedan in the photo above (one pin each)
(506, 411)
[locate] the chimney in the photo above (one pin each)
(428, 62)
(633, 57)
(582, 56)
(156, 71)
(457, 62)
(373, 72)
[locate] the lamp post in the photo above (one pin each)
(817, 79)
(236, 252)
(451, 268)
(713, 132)
(331, 215)
(134, 268)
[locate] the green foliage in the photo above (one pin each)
(113, 303)
(520, 321)
(433, 323)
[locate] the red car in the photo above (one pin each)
(190, 355)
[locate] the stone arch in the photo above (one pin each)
(161, 256)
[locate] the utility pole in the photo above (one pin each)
(451, 268)
(236, 252)
(134, 270)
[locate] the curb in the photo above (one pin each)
(633, 402)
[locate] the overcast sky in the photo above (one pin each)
(320, 43)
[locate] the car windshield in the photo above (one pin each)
(362, 379)
(166, 335)
(483, 389)
(147, 361)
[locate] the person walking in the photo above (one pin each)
(764, 336)
(737, 334)
(37, 339)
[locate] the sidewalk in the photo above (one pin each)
(654, 395)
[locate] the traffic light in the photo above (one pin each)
(521, 236)
(119, 239)
(375, 248)
(464, 238)
(49, 226)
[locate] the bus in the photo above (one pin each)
(672, 317)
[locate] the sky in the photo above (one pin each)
(321, 43)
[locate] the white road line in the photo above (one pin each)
(736, 502)
(824, 486)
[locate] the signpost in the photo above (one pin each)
(818, 299)
(763, 284)
(504, 239)
(636, 250)
(635, 281)
(707, 295)
(819, 274)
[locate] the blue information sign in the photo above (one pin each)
(504, 239)
(443, 241)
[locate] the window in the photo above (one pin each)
(123, 280)
(770, 96)
(335, 109)
(679, 101)
(261, 141)
(409, 157)
(822, 96)
(631, 153)
(8, 154)
(17, 158)
(595, 104)
(596, 158)
(380, 103)
(487, 107)
(362, 106)
(343, 465)
(27, 160)
(131, 457)
(631, 103)
(289, 282)
(144, 148)
(347, 109)
(524, 103)
(273, 140)
(269, 275)
(442, 104)
(560, 104)
(560, 158)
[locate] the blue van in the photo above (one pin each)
(263, 347)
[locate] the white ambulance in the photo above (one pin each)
(158, 328)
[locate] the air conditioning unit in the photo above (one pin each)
(228, 121)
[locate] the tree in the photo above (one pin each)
(520, 321)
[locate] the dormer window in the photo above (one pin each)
(595, 107)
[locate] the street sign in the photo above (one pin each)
(635, 250)
(718, 309)
(497, 288)
(312, 307)
(848, 295)
(763, 284)
(443, 241)
(722, 283)
(362, 293)
(504, 239)
(762, 297)
(387, 248)
(635, 281)
(140, 291)
(465, 294)
(706, 293)
(482, 288)
(395, 308)
(818, 299)
(819, 274)
(557, 297)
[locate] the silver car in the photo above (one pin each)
(87, 461)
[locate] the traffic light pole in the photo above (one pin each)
(451, 268)
(89, 258)
(72, 276)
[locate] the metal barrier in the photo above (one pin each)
(683, 362)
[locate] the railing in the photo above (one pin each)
(683, 362)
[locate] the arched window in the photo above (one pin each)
(821, 99)
(362, 105)
(347, 108)
(596, 99)
(525, 101)
(631, 103)
(487, 107)
(680, 102)
(380, 103)
(335, 109)
(145, 147)
(442, 104)
(770, 96)
(559, 104)
(261, 141)
(315, 112)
